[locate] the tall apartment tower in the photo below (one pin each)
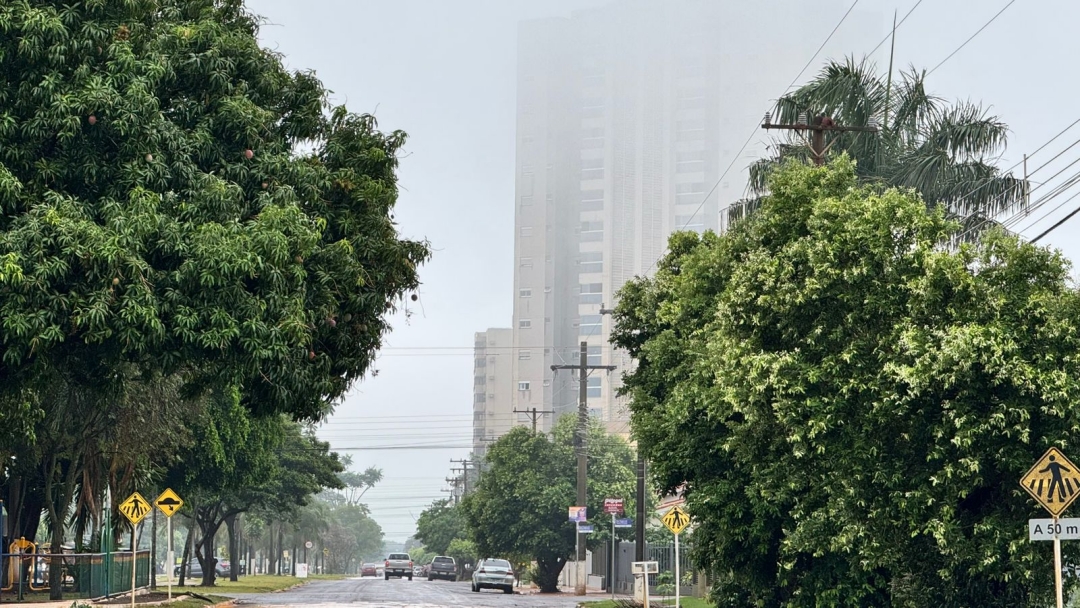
(493, 386)
(627, 116)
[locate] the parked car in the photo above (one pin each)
(399, 565)
(369, 569)
(493, 574)
(442, 567)
(194, 569)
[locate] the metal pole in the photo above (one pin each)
(582, 458)
(169, 558)
(1057, 566)
(678, 580)
(639, 531)
(577, 548)
(133, 529)
(611, 583)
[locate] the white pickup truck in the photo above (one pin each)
(399, 565)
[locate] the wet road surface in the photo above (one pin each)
(402, 593)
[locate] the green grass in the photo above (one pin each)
(686, 602)
(264, 583)
(194, 602)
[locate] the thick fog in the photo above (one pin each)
(448, 74)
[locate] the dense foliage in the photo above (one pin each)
(155, 206)
(850, 404)
(193, 242)
(519, 507)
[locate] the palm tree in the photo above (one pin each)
(943, 151)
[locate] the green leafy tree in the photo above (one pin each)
(520, 503)
(171, 195)
(945, 152)
(439, 524)
(850, 404)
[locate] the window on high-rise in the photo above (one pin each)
(524, 355)
(526, 231)
(689, 194)
(592, 168)
(695, 222)
(594, 387)
(523, 385)
(592, 200)
(525, 262)
(594, 357)
(592, 231)
(526, 201)
(591, 261)
(690, 130)
(591, 325)
(525, 292)
(591, 293)
(524, 323)
(692, 161)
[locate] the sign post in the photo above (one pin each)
(1054, 482)
(168, 502)
(676, 520)
(613, 507)
(134, 508)
(577, 515)
(644, 569)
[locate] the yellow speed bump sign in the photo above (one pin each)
(135, 508)
(1054, 482)
(676, 519)
(169, 502)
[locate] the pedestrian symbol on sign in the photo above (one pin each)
(1054, 482)
(135, 508)
(676, 519)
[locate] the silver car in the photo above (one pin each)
(493, 574)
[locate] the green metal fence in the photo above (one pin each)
(81, 576)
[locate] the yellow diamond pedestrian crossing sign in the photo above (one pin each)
(1054, 482)
(135, 508)
(676, 519)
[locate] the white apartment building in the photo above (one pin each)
(627, 116)
(493, 386)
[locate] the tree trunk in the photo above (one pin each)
(234, 549)
(187, 554)
(547, 574)
(281, 548)
(271, 555)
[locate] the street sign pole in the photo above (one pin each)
(577, 552)
(678, 580)
(133, 563)
(1057, 569)
(611, 583)
(169, 555)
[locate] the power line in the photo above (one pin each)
(985, 25)
(751, 136)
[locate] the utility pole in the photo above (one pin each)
(534, 414)
(581, 448)
(464, 474)
(817, 128)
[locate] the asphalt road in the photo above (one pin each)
(401, 593)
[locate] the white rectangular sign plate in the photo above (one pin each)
(1048, 529)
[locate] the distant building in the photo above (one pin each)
(627, 116)
(493, 386)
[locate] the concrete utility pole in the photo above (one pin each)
(581, 448)
(817, 128)
(534, 414)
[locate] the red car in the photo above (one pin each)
(368, 570)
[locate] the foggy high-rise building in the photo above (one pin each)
(627, 116)
(493, 386)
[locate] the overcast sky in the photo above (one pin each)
(445, 73)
